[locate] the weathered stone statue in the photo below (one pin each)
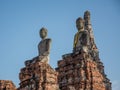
(43, 49)
(81, 39)
(44, 46)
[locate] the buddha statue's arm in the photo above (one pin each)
(39, 49)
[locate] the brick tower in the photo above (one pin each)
(82, 69)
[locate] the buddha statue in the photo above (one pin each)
(81, 38)
(44, 46)
(43, 49)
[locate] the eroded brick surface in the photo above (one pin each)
(7, 85)
(38, 76)
(77, 72)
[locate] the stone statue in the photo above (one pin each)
(44, 46)
(81, 39)
(43, 49)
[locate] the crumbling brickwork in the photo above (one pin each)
(77, 72)
(7, 85)
(38, 76)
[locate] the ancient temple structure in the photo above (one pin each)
(82, 69)
(7, 85)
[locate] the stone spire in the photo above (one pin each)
(88, 26)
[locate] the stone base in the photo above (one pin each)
(7, 85)
(38, 76)
(81, 72)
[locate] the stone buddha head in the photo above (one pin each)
(80, 24)
(43, 33)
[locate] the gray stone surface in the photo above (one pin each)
(44, 46)
(81, 38)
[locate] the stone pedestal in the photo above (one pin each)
(38, 76)
(81, 72)
(7, 85)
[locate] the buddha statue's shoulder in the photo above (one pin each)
(77, 33)
(48, 39)
(81, 32)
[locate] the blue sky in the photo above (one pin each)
(21, 20)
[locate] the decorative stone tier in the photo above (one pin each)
(81, 72)
(38, 76)
(7, 85)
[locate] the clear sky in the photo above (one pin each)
(21, 20)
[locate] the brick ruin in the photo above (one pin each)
(76, 72)
(80, 70)
(38, 76)
(7, 85)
